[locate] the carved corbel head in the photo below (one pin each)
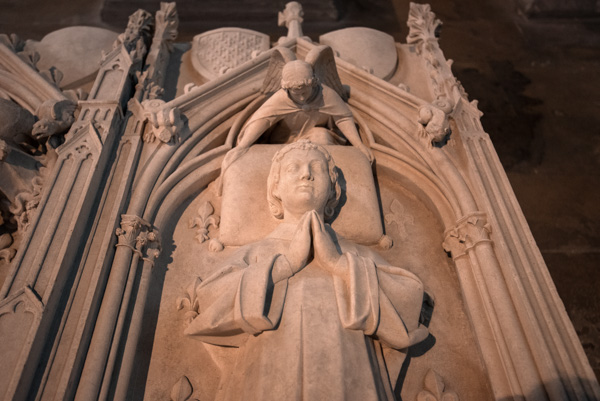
(434, 122)
(55, 117)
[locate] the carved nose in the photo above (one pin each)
(305, 173)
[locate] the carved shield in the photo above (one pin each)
(217, 51)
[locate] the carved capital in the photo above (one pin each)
(148, 245)
(165, 122)
(468, 232)
(139, 235)
(423, 26)
(130, 229)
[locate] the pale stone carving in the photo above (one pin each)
(203, 221)
(139, 236)
(291, 17)
(308, 102)
(133, 40)
(165, 122)
(245, 218)
(218, 51)
(55, 117)
(151, 78)
(470, 231)
(397, 217)
(88, 315)
(190, 301)
(424, 29)
(303, 314)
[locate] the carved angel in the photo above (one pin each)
(307, 102)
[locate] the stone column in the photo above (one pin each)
(149, 126)
(35, 300)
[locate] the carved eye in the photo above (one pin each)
(318, 166)
(292, 167)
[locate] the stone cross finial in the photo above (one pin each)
(291, 17)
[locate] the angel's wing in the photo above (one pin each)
(323, 62)
(279, 57)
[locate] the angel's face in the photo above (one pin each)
(301, 93)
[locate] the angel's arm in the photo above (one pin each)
(252, 132)
(348, 128)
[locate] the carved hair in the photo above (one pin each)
(297, 73)
(335, 190)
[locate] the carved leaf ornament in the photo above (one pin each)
(423, 25)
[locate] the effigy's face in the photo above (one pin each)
(301, 93)
(304, 182)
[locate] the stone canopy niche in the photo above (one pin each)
(235, 219)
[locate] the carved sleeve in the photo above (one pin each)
(238, 300)
(382, 301)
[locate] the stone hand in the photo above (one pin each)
(326, 253)
(299, 250)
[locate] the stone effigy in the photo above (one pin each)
(234, 219)
(301, 301)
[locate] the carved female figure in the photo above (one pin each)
(311, 312)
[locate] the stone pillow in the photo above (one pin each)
(245, 214)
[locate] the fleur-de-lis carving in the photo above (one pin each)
(399, 216)
(189, 301)
(203, 221)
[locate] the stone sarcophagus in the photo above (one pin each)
(235, 219)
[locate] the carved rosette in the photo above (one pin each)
(138, 235)
(469, 231)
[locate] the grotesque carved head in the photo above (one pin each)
(316, 154)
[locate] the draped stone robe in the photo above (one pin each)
(313, 336)
(325, 109)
